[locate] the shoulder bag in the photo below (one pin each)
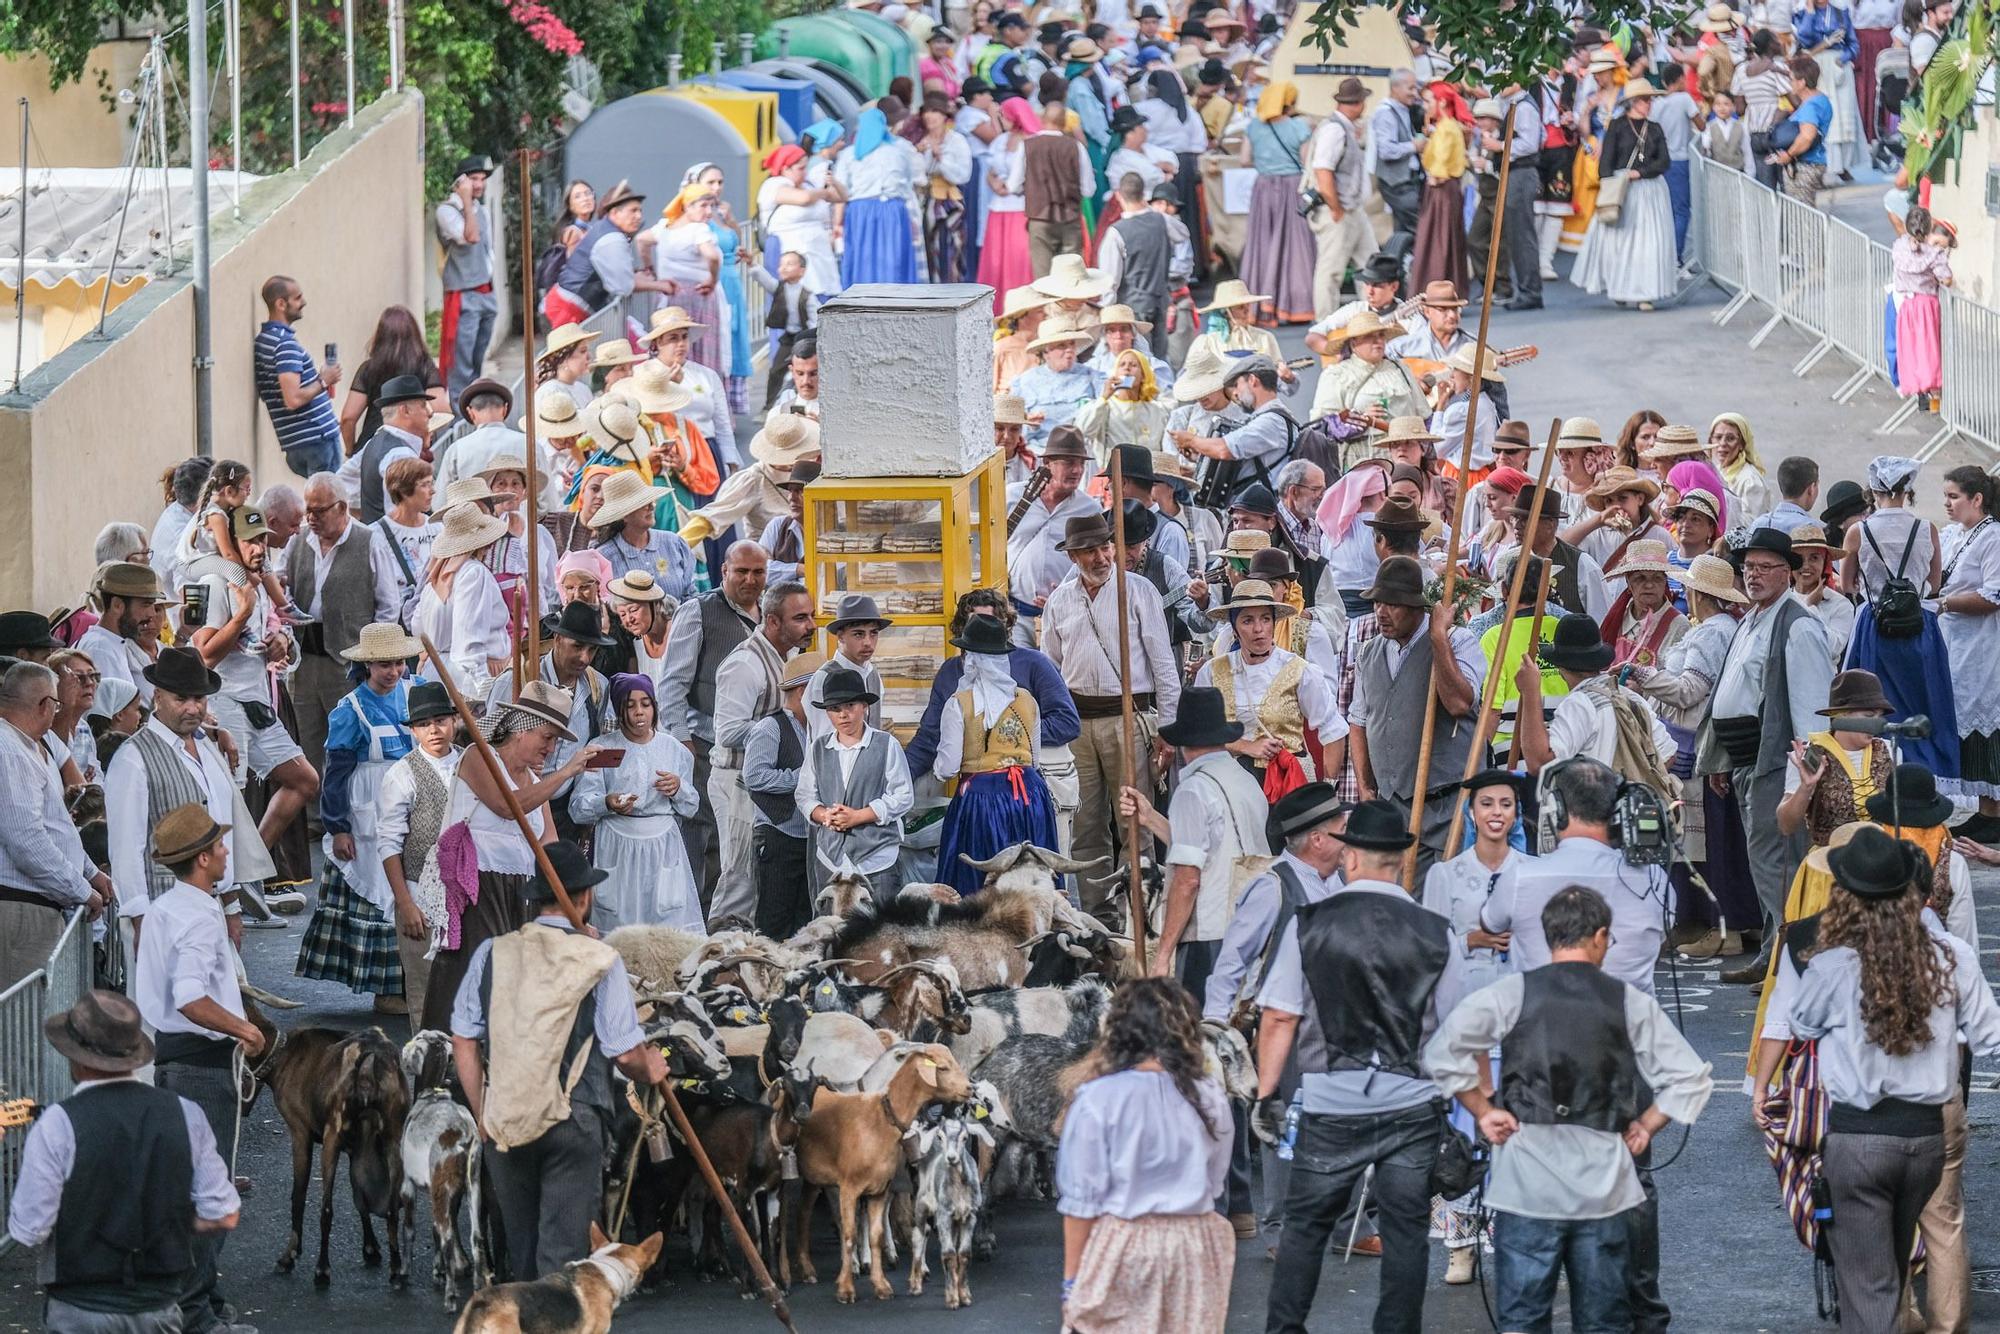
(1611, 190)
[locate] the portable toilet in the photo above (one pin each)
(837, 94)
(754, 114)
(1374, 49)
(825, 37)
(795, 96)
(650, 138)
(899, 49)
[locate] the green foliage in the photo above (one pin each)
(63, 31)
(1504, 41)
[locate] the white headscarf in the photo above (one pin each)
(992, 685)
(1890, 473)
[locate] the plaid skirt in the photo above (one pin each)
(349, 940)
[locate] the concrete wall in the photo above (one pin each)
(73, 127)
(1960, 198)
(87, 441)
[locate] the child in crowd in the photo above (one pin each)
(1724, 141)
(1922, 258)
(226, 491)
(854, 788)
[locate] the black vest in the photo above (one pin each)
(374, 498)
(779, 316)
(1568, 1060)
(1568, 589)
(722, 629)
(1149, 250)
(780, 807)
(124, 1239)
(594, 1088)
(579, 276)
(1153, 568)
(1372, 962)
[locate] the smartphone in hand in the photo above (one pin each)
(333, 354)
(605, 759)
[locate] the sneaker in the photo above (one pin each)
(1459, 1270)
(1245, 1225)
(288, 901)
(264, 923)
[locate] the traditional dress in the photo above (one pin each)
(1972, 643)
(650, 881)
(1641, 640)
(352, 935)
(1631, 259)
(1439, 254)
(473, 889)
(880, 173)
(1915, 672)
(1279, 697)
(989, 738)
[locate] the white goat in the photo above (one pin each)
(440, 1154)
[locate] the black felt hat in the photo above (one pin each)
(983, 634)
(1578, 645)
(1844, 500)
(1203, 720)
(1256, 498)
(26, 629)
(1771, 540)
(843, 686)
(1308, 807)
(1914, 792)
(578, 621)
(1378, 826)
(180, 671)
(571, 866)
(1875, 865)
(429, 699)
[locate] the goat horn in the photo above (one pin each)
(1055, 861)
(728, 960)
(263, 997)
(999, 861)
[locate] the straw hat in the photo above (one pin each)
(1362, 325)
(1111, 315)
(1461, 360)
(383, 641)
(1840, 838)
(466, 530)
(801, 669)
(439, 421)
(786, 438)
(625, 493)
(1811, 537)
(543, 703)
(1641, 556)
(637, 586)
(1603, 59)
(655, 390)
(613, 422)
(1243, 543)
(1674, 442)
(1020, 301)
(1233, 292)
(1169, 463)
(669, 319)
(504, 463)
(1720, 18)
(564, 337)
(1084, 51)
(1009, 410)
(616, 352)
(1615, 480)
(1204, 373)
(1714, 576)
(1579, 433)
(1489, 108)
(464, 491)
(1059, 330)
(1251, 593)
(557, 417)
(1701, 502)
(1406, 431)
(1069, 279)
(1641, 91)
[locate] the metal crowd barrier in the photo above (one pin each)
(29, 1067)
(1831, 283)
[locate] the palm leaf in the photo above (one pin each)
(1950, 81)
(1978, 27)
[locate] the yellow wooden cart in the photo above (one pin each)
(916, 545)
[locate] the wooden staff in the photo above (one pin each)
(1486, 707)
(1421, 783)
(1534, 645)
(533, 603)
(1128, 739)
(569, 910)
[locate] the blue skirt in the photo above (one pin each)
(878, 244)
(988, 814)
(1916, 678)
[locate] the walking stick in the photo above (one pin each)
(534, 599)
(1493, 670)
(569, 909)
(1534, 648)
(1128, 741)
(1420, 785)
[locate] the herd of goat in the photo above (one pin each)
(909, 1059)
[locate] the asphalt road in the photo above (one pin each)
(1730, 1261)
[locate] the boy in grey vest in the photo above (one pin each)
(854, 788)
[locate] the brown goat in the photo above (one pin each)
(852, 1143)
(344, 1093)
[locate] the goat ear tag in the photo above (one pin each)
(826, 989)
(979, 1113)
(739, 1015)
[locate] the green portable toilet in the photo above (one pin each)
(898, 48)
(825, 37)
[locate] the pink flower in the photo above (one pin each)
(549, 31)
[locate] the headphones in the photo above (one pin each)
(1558, 809)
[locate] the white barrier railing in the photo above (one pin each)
(29, 1067)
(1831, 283)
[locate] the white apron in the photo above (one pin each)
(364, 791)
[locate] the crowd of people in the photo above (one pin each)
(1669, 710)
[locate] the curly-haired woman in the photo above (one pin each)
(1888, 997)
(1145, 1151)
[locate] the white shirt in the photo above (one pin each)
(118, 658)
(40, 849)
(245, 675)
(1080, 635)
(1253, 681)
(50, 1155)
(1739, 693)
(399, 793)
(1017, 172)
(184, 956)
(127, 806)
(898, 796)
(469, 627)
(1133, 1146)
(383, 568)
(474, 452)
(1584, 724)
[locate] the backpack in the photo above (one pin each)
(1898, 604)
(549, 266)
(1634, 755)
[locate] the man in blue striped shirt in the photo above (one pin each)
(298, 395)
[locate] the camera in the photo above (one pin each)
(1310, 201)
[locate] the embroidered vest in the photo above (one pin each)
(1278, 714)
(168, 785)
(1836, 800)
(1010, 741)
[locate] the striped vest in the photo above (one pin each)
(168, 785)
